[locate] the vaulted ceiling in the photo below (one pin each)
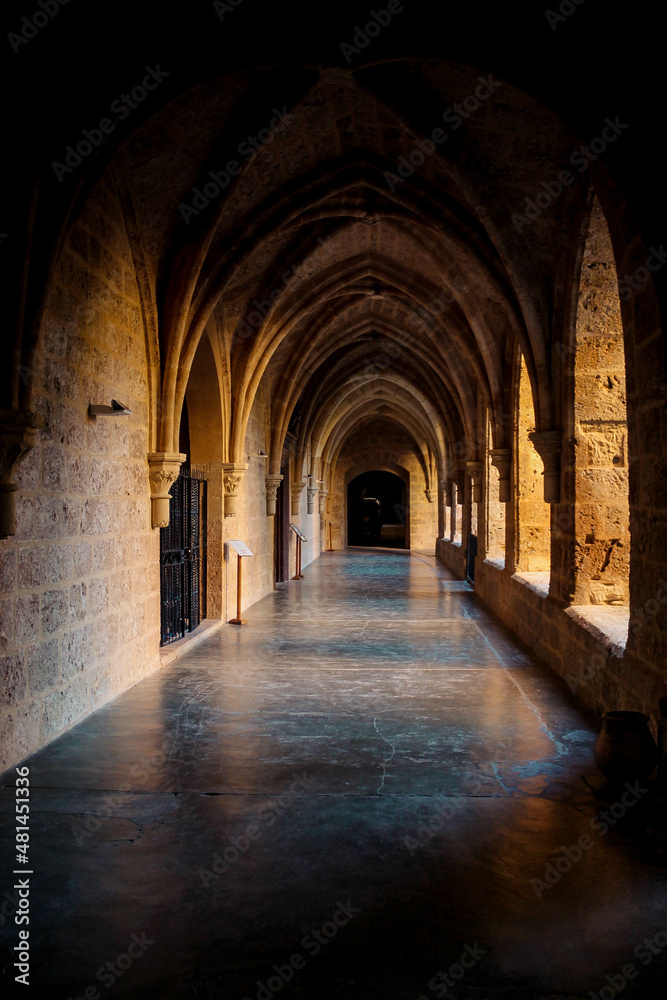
(300, 200)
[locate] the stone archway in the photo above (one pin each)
(377, 506)
(388, 524)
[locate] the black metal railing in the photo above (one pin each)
(183, 558)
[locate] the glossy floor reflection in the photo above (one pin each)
(340, 801)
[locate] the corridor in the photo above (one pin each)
(346, 799)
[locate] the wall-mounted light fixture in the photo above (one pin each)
(261, 454)
(115, 410)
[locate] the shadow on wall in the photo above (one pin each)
(377, 510)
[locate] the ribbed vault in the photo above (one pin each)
(341, 282)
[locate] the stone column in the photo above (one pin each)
(475, 470)
(233, 473)
(501, 459)
(549, 446)
(460, 488)
(311, 492)
(296, 490)
(441, 509)
(17, 436)
(272, 483)
(449, 492)
(164, 467)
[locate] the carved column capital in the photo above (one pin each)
(323, 500)
(501, 459)
(17, 436)
(431, 495)
(232, 482)
(296, 489)
(164, 468)
(475, 470)
(549, 446)
(311, 492)
(272, 483)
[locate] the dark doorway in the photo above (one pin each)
(377, 510)
(282, 528)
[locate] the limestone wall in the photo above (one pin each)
(602, 552)
(80, 578)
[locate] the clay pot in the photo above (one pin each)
(625, 750)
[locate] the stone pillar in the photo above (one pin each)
(501, 459)
(164, 467)
(233, 473)
(449, 492)
(311, 492)
(475, 470)
(17, 436)
(272, 483)
(296, 490)
(549, 446)
(441, 509)
(460, 488)
(215, 546)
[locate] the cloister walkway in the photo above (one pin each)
(348, 798)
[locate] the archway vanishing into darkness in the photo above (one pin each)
(377, 510)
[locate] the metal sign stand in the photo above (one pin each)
(241, 550)
(300, 537)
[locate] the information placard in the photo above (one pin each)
(298, 532)
(240, 547)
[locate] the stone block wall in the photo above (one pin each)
(602, 551)
(80, 578)
(453, 555)
(597, 668)
(532, 531)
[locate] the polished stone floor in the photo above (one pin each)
(346, 799)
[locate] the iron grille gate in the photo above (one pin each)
(183, 558)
